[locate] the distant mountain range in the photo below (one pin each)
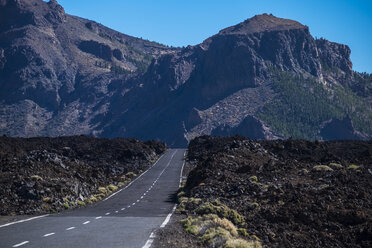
(265, 78)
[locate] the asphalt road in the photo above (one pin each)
(126, 219)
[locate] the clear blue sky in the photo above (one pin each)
(189, 22)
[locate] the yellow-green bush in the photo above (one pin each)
(336, 165)
(222, 211)
(253, 179)
(47, 199)
(36, 178)
(241, 243)
(112, 187)
(322, 167)
(353, 167)
(214, 231)
(102, 190)
(130, 175)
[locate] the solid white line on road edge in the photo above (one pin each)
(86, 222)
(48, 234)
(183, 165)
(99, 217)
(20, 221)
(168, 217)
(134, 179)
(152, 235)
(23, 243)
(149, 241)
(70, 228)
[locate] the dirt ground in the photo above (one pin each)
(292, 193)
(46, 175)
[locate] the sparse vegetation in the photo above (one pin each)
(322, 168)
(353, 167)
(303, 104)
(36, 178)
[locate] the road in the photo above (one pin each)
(126, 219)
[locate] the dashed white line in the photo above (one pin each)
(116, 211)
(137, 200)
(70, 228)
(122, 209)
(134, 179)
(86, 222)
(128, 206)
(48, 234)
(141, 197)
(107, 213)
(99, 217)
(23, 243)
(133, 203)
(152, 235)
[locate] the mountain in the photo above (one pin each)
(266, 78)
(57, 71)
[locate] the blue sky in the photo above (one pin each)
(189, 22)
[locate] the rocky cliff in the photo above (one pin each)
(266, 76)
(57, 71)
(248, 79)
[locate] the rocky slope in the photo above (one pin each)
(58, 72)
(44, 175)
(266, 77)
(291, 193)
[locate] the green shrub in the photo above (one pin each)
(322, 168)
(222, 211)
(353, 167)
(112, 188)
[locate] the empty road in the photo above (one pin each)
(125, 219)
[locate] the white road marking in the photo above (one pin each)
(152, 235)
(70, 228)
(168, 217)
(149, 241)
(20, 221)
(86, 222)
(48, 234)
(133, 203)
(23, 243)
(99, 217)
(107, 213)
(122, 209)
(137, 200)
(134, 179)
(128, 206)
(116, 211)
(141, 197)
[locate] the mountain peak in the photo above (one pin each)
(263, 23)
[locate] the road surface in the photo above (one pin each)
(126, 219)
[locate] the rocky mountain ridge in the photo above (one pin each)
(239, 80)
